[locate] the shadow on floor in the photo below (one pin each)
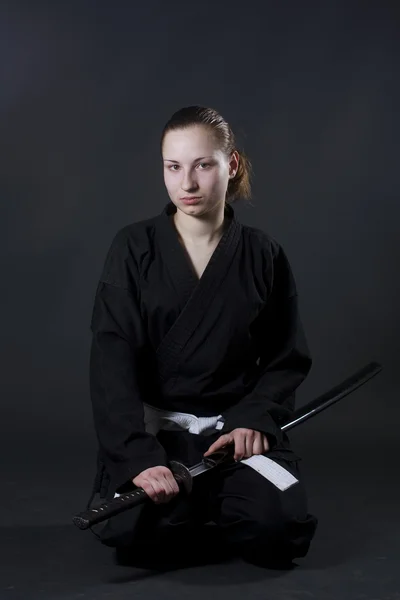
(61, 558)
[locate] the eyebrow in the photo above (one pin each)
(195, 160)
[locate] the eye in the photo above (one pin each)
(205, 164)
(171, 168)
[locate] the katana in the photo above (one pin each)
(184, 475)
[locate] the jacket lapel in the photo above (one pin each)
(196, 294)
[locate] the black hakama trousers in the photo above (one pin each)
(251, 514)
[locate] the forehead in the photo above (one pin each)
(190, 143)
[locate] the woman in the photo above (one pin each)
(197, 315)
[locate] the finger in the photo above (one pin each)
(148, 488)
(172, 485)
(159, 490)
(167, 489)
(240, 445)
(175, 485)
(258, 444)
(249, 443)
(265, 443)
(219, 443)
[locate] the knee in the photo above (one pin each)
(268, 526)
(252, 522)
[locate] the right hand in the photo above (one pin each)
(158, 483)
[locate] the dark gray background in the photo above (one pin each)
(311, 90)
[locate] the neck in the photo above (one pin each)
(200, 230)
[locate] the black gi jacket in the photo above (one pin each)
(231, 343)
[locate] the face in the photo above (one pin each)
(195, 167)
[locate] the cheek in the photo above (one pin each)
(216, 181)
(170, 181)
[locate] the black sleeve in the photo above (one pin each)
(284, 359)
(117, 361)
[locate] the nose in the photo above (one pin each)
(189, 183)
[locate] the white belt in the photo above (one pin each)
(157, 418)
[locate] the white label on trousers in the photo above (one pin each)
(269, 469)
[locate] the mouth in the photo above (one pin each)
(191, 199)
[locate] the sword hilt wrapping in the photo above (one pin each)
(128, 500)
(91, 516)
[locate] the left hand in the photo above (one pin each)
(247, 442)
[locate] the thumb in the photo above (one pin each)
(219, 443)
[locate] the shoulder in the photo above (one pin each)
(133, 239)
(262, 240)
(274, 257)
(126, 250)
(131, 236)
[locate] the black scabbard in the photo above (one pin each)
(322, 402)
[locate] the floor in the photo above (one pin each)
(353, 488)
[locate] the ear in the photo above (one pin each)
(234, 164)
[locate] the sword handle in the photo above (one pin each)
(91, 516)
(128, 500)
